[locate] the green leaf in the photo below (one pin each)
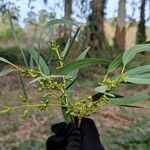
(101, 89)
(80, 57)
(66, 116)
(141, 96)
(23, 86)
(6, 71)
(83, 54)
(77, 64)
(130, 53)
(146, 42)
(138, 80)
(39, 60)
(16, 39)
(97, 96)
(131, 106)
(63, 53)
(115, 63)
(145, 75)
(138, 70)
(6, 61)
(52, 23)
(31, 63)
(69, 44)
(70, 85)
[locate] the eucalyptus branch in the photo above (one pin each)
(27, 106)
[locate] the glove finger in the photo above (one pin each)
(59, 128)
(90, 135)
(56, 142)
(73, 137)
(88, 126)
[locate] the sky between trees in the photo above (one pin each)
(52, 5)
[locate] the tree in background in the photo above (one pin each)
(96, 25)
(120, 29)
(67, 15)
(141, 33)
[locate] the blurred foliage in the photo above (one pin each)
(13, 54)
(6, 32)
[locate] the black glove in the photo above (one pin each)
(67, 137)
(89, 135)
(70, 137)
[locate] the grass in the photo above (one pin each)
(119, 128)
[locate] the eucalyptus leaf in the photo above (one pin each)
(31, 63)
(141, 96)
(16, 39)
(97, 96)
(138, 70)
(81, 56)
(145, 76)
(6, 71)
(138, 80)
(8, 62)
(52, 23)
(69, 85)
(130, 53)
(78, 64)
(38, 60)
(70, 44)
(23, 86)
(101, 89)
(5, 61)
(115, 63)
(63, 53)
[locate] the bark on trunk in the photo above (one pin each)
(68, 13)
(120, 29)
(141, 34)
(96, 20)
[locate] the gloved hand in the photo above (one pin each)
(70, 137)
(67, 137)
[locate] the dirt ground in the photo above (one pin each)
(120, 128)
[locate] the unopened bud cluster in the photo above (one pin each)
(83, 108)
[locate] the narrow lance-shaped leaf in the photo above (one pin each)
(78, 64)
(101, 89)
(144, 76)
(67, 118)
(70, 85)
(138, 70)
(115, 63)
(6, 71)
(31, 63)
(16, 39)
(138, 80)
(8, 62)
(52, 23)
(80, 57)
(141, 96)
(39, 60)
(129, 54)
(23, 86)
(70, 44)
(63, 53)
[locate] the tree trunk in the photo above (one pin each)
(141, 34)
(68, 13)
(96, 24)
(120, 29)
